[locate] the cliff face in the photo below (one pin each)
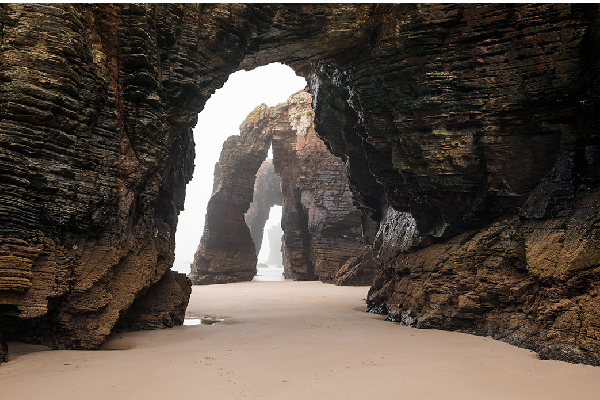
(321, 226)
(95, 152)
(457, 117)
(490, 121)
(531, 283)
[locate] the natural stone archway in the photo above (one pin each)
(465, 116)
(227, 252)
(322, 227)
(267, 193)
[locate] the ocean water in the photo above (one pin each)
(269, 273)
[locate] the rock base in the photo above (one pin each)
(162, 306)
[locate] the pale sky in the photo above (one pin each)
(222, 115)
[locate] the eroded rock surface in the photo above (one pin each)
(161, 306)
(461, 115)
(322, 227)
(529, 282)
(95, 152)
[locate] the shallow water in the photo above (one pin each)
(270, 273)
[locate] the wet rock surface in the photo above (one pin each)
(461, 115)
(532, 283)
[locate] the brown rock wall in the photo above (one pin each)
(97, 104)
(161, 306)
(320, 192)
(532, 283)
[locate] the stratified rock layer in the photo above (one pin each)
(161, 306)
(322, 227)
(459, 115)
(95, 152)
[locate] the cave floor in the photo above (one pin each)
(291, 340)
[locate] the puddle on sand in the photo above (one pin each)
(202, 321)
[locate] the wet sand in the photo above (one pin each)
(292, 340)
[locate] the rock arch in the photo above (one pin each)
(267, 193)
(457, 114)
(227, 252)
(321, 225)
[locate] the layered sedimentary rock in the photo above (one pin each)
(267, 193)
(460, 115)
(161, 306)
(532, 282)
(95, 152)
(397, 233)
(322, 227)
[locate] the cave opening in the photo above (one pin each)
(220, 118)
(270, 257)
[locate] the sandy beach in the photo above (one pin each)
(291, 340)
